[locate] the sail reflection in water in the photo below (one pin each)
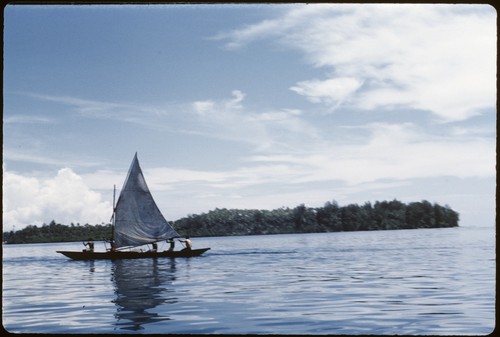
(140, 286)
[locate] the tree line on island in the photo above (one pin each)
(383, 215)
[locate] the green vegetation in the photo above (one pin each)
(330, 218)
(301, 219)
(55, 232)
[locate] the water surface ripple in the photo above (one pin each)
(426, 281)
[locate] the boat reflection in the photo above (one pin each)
(141, 286)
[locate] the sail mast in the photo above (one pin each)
(114, 212)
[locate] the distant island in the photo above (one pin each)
(382, 215)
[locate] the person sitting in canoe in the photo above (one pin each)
(112, 244)
(171, 241)
(90, 244)
(155, 247)
(187, 242)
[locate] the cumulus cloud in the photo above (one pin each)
(64, 198)
(440, 58)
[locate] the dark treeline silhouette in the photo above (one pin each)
(331, 217)
(55, 232)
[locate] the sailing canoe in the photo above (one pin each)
(136, 221)
(86, 255)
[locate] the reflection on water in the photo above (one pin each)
(406, 282)
(140, 286)
(91, 266)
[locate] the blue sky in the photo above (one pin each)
(248, 106)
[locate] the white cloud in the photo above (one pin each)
(64, 198)
(440, 58)
(136, 113)
(53, 159)
(390, 156)
(203, 107)
(331, 92)
(221, 108)
(373, 57)
(25, 119)
(229, 119)
(235, 103)
(393, 151)
(171, 178)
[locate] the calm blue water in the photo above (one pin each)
(425, 281)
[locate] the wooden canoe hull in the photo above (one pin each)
(84, 255)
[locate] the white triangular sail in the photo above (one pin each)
(137, 219)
